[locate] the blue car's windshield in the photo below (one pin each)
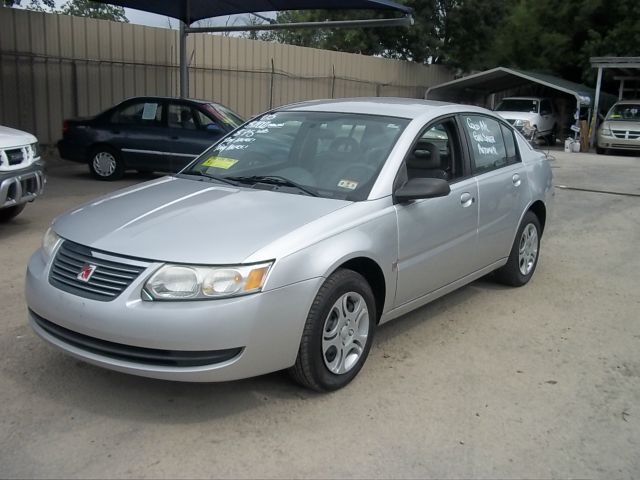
(333, 155)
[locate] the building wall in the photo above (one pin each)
(56, 66)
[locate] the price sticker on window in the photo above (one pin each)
(219, 162)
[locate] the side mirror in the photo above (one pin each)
(214, 128)
(418, 188)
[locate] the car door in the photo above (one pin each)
(546, 116)
(138, 131)
(436, 236)
(502, 185)
(191, 131)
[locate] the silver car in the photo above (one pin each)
(621, 128)
(288, 242)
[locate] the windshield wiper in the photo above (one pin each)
(213, 177)
(275, 180)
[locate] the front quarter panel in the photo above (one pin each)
(364, 229)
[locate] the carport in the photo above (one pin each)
(484, 88)
(624, 68)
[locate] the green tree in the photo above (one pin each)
(468, 31)
(559, 36)
(87, 8)
(79, 8)
(418, 43)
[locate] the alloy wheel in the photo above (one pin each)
(528, 249)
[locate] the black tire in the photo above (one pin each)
(105, 174)
(310, 369)
(510, 274)
(8, 213)
(552, 137)
(601, 151)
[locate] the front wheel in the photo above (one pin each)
(105, 164)
(338, 333)
(8, 213)
(523, 257)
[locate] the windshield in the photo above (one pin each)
(517, 105)
(628, 112)
(332, 155)
(227, 116)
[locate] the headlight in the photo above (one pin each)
(35, 149)
(185, 282)
(606, 132)
(49, 242)
(522, 123)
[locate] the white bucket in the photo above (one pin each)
(575, 147)
(567, 144)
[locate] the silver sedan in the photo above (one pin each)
(288, 242)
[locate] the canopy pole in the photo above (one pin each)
(184, 68)
(594, 119)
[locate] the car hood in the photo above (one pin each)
(10, 137)
(518, 115)
(186, 221)
(621, 125)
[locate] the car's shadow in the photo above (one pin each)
(16, 226)
(58, 378)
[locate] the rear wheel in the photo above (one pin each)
(105, 164)
(338, 333)
(8, 213)
(523, 257)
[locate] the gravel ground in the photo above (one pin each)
(537, 382)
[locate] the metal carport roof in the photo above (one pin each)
(502, 78)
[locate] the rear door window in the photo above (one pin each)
(487, 145)
(139, 113)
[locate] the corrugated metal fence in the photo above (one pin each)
(56, 66)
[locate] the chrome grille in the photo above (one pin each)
(628, 134)
(107, 280)
(15, 156)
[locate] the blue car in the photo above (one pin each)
(145, 134)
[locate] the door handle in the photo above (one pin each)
(466, 199)
(516, 180)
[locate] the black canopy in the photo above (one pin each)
(190, 11)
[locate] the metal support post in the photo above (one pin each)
(594, 118)
(184, 68)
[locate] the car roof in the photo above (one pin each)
(153, 97)
(388, 106)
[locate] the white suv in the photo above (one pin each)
(21, 171)
(535, 117)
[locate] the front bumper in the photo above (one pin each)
(263, 329)
(21, 186)
(616, 143)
